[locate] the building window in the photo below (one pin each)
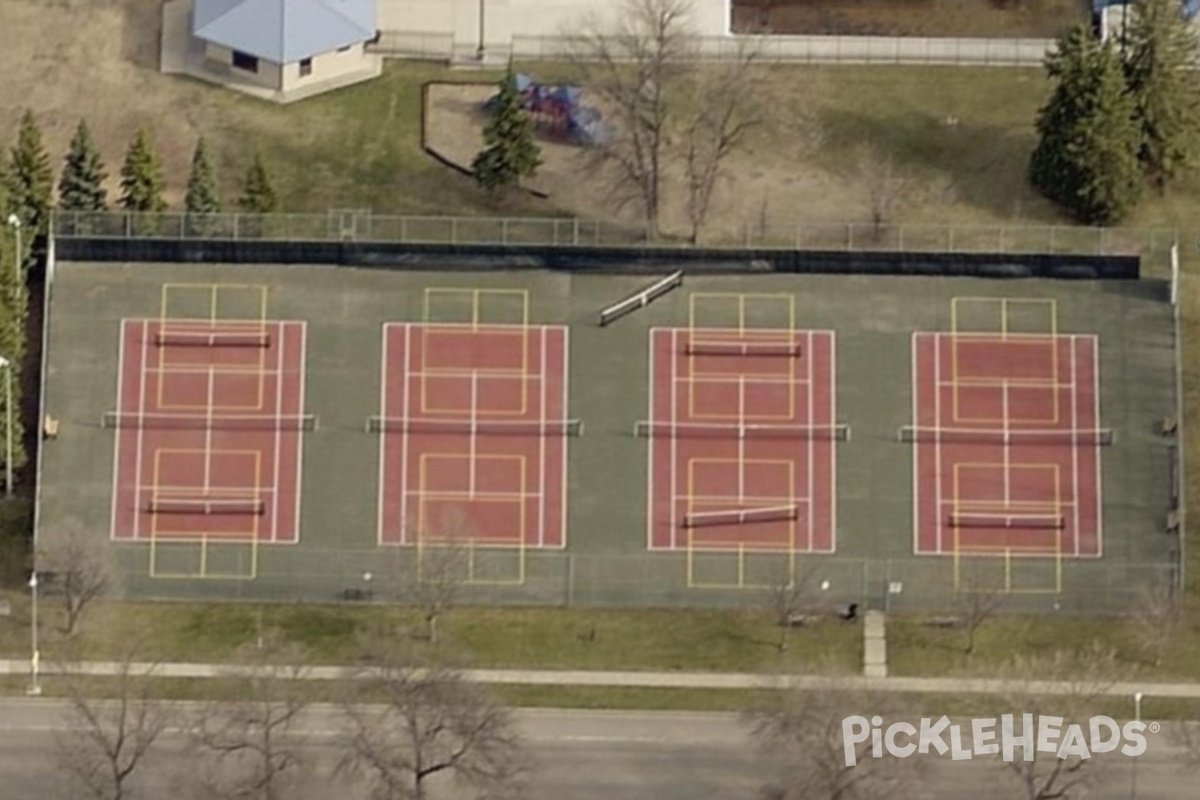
(305, 67)
(245, 61)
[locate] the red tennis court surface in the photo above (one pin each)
(1006, 457)
(742, 454)
(208, 444)
(473, 434)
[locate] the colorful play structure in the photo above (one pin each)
(557, 112)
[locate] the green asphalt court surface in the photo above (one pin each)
(605, 560)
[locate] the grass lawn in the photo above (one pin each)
(720, 641)
(963, 133)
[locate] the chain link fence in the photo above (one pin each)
(1153, 244)
(772, 49)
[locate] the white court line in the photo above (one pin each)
(674, 540)
(1075, 449)
(281, 336)
(208, 430)
(141, 412)
(650, 498)
(112, 531)
(831, 340)
(562, 333)
(472, 435)
(916, 494)
(1005, 427)
(303, 328)
(541, 487)
(992, 383)
(383, 410)
(184, 489)
(809, 444)
(937, 452)
(405, 533)
(722, 498)
(741, 474)
(767, 380)
(479, 495)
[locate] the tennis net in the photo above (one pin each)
(740, 516)
(207, 506)
(717, 347)
(704, 430)
(212, 338)
(478, 427)
(212, 422)
(1075, 438)
(999, 519)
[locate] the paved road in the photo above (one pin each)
(694, 680)
(579, 755)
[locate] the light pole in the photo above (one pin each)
(35, 688)
(14, 222)
(1137, 717)
(6, 365)
(481, 50)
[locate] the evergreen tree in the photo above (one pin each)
(202, 193)
(29, 177)
(510, 152)
(1160, 46)
(81, 185)
(1086, 156)
(142, 176)
(258, 195)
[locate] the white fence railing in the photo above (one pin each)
(771, 49)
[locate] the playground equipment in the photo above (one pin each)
(556, 111)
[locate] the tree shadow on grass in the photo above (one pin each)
(983, 165)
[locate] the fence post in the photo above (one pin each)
(504, 230)
(949, 238)
(849, 236)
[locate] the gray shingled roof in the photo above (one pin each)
(284, 31)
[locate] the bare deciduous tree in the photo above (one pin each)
(1088, 675)
(804, 730)
(254, 746)
(415, 723)
(79, 564)
(722, 112)
(886, 188)
(975, 608)
(789, 596)
(108, 741)
(1158, 621)
(636, 67)
(440, 569)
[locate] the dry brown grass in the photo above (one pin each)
(999, 18)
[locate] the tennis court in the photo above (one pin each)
(595, 438)
(473, 434)
(741, 454)
(1006, 433)
(209, 426)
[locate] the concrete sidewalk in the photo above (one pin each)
(658, 680)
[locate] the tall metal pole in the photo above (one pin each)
(482, 46)
(35, 688)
